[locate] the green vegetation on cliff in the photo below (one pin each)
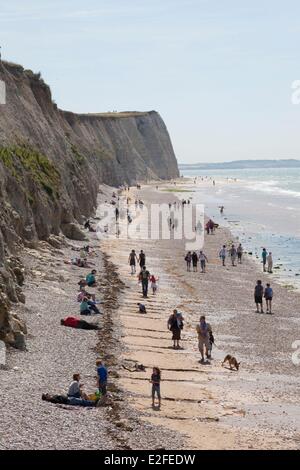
(24, 160)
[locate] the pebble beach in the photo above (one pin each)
(203, 406)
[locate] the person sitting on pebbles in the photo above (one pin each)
(87, 306)
(142, 308)
(91, 278)
(75, 388)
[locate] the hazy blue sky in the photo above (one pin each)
(218, 71)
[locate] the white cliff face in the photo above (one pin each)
(52, 161)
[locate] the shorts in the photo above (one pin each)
(202, 262)
(204, 342)
(239, 255)
(176, 334)
(258, 300)
(268, 298)
(155, 389)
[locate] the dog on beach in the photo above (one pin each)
(231, 361)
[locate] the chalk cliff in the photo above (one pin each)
(52, 161)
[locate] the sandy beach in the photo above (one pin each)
(210, 406)
(203, 406)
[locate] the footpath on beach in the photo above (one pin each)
(210, 406)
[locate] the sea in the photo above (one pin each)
(261, 208)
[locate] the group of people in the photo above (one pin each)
(261, 292)
(192, 259)
(76, 395)
(267, 261)
(234, 253)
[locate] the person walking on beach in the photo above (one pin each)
(270, 262)
(258, 296)
(155, 380)
(102, 376)
(195, 261)
(144, 277)
(239, 251)
(153, 281)
(131, 260)
(222, 254)
(264, 258)
(175, 324)
(203, 260)
(233, 254)
(269, 296)
(203, 330)
(188, 259)
(142, 259)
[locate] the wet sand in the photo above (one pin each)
(208, 405)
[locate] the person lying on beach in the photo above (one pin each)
(64, 400)
(75, 388)
(142, 308)
(155, 380)
(81, 263)
(175, 324)
(132, 261)
(154, 281)
(203, 260)
(80, 324)
(239, 251)
(258, 296)
(188, 260)
(264, 258)
(268, 294)
(91, 278)
(223, 254)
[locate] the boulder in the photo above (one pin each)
(73, 231)
(55, 241)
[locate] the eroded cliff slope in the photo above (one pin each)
(52, 161)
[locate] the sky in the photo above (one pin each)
(219, 72)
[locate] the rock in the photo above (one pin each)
(17, 324)
(73, 231)
(19, 341)
(20, 295)
(19, 273)
(55, 241)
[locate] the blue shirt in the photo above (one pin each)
(102, 374)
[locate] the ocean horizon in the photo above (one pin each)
(262, 209)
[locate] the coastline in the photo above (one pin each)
(210, 406)
(203, 406)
